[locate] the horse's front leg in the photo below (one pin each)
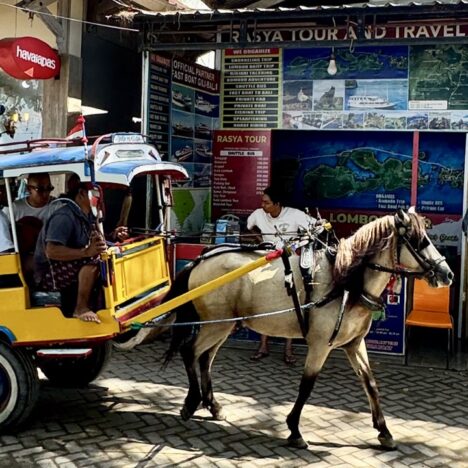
(357, 355)
(314, 362)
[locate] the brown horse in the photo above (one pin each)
(363, 266)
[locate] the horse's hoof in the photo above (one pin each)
(218, 415)
(387, 443)
(217, 412)
(185, 413)
(299, 443)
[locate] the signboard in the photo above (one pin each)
(352, 32)
(251, 88)
(28, 58)
(159, 102)
(234, 153)
(388, 335)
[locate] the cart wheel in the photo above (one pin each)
(77, 372)
(19, 386)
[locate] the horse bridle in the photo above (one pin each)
(429, 266)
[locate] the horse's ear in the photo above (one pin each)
(412, 210)
(401, 217)
(402, 222)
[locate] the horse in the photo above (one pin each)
(364, 263)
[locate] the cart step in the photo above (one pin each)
(64, 352)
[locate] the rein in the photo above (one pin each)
(154, 324)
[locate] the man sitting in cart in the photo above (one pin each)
(67, 251)
(37, 203)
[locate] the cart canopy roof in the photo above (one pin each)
(115, 158)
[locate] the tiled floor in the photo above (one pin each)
(129, 417)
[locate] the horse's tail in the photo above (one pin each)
(181, 335)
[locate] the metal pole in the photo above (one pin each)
(415, 169)
(12, 214)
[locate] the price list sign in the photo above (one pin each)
(251, 88)
(159, 102)
(241, 170)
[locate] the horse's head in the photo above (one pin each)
(416, 252)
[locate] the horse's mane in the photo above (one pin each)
(371, 238)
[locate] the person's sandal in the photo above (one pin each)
(290, 359)
(259, 355)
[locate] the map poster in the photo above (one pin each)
(251, 86)
(159, 102)
(438, 76)
(239, 152)
(369, 171)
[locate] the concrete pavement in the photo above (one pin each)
(130, 417)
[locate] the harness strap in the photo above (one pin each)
(331, 296)
(344, 301)
(292, 291)
(397, 271)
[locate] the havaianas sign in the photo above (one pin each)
(28, 58)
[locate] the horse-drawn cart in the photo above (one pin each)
(36, 330)
(135, 279)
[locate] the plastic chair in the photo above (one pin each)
(431, 309)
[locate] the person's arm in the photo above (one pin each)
(254, 234)
(119, 234)
(60, 252)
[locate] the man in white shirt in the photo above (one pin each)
(37, 203)
(273, 219)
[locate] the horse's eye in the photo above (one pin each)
(427, 223)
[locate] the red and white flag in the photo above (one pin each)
(78, 130)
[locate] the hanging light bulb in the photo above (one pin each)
(25, 117)
(332, 68)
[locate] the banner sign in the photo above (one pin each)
(234, 153)
(159, 102)
(352, 32)
(28, 58)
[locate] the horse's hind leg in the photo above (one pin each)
(209, 401)
(193, 398)
(357, 355)
(314, 363)
(203, 350)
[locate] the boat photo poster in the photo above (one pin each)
(194, 116)
(378, 87)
